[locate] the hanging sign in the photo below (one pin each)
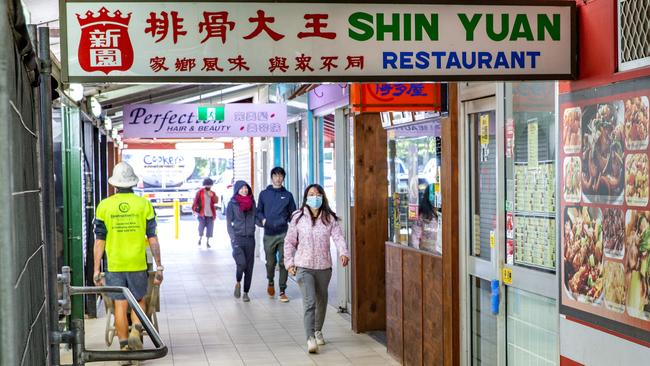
(395, 97)
(205, 41)
(196, 121)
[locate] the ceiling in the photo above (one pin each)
(46, 13)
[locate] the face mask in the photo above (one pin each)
(314, 202)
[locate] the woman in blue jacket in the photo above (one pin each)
(240, 222)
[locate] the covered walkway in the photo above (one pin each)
(203, 324)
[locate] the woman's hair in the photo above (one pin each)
(325, 211)
(427, 211)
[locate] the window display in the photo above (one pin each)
(414, 185)
(605, 232)
(530, 175)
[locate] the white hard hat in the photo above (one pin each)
(123, 176)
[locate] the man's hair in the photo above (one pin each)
(279, 171)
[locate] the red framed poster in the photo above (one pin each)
(604, 210)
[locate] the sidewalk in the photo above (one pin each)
(202, 324)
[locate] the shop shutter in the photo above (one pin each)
(242, 159)
(634, 34)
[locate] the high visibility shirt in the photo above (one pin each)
(125, 216)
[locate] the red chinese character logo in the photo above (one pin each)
(238, 63)
(211, 64)
(355, 62)
(105, 44)
(160, 26)
(185, 64)
(157, 64)
(315, 23)
(261, 21)
(216, 25)
(302, 63)
(278, 63)
(328, 62)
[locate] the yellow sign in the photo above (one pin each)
(492, 240)
(485, 129)
(436, 187)
(506, 276)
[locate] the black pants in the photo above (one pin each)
(243, 251)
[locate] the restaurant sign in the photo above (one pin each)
(197, 121)
(201, 41)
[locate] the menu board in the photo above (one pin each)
(604, 211)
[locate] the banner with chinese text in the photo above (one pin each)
(197, 121)
(135, 41)
(395, 97)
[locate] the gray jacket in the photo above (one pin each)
(240, 223)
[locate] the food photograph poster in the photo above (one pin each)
(605, 211)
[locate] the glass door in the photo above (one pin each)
(482, 193)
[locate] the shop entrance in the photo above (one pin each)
(508, 239)
(481, 259)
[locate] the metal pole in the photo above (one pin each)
(176, 217)
(47, 185)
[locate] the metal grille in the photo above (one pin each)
(23, 340)
(633, 33)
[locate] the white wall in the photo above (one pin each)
(592, 347)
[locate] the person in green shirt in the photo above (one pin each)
(124, 225)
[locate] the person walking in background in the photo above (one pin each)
(124, 224)
(307, 256)
(426, 229)
(274, 208)
(204, 207)
(240, 222)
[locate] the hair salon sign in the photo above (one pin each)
(203, 41)
(196, 121)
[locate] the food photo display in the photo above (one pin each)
(605, 212)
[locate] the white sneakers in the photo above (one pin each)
(312, 346)
(319, 338)
(315, 341)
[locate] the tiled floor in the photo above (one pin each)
(203, 324)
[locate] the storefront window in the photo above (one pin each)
(530, 174)
(483, 183)
(414, 185)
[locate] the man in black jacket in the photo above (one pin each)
(274, 209)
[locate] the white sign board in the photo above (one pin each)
(134, 41)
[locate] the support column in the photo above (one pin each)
(370, 224)
(450, 231)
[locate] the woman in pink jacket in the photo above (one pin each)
(307, 256)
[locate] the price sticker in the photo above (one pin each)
(506, 276)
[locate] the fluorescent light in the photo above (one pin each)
(200, 146)
(297, 104)
(214, 93)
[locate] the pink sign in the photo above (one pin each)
(197, 121)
